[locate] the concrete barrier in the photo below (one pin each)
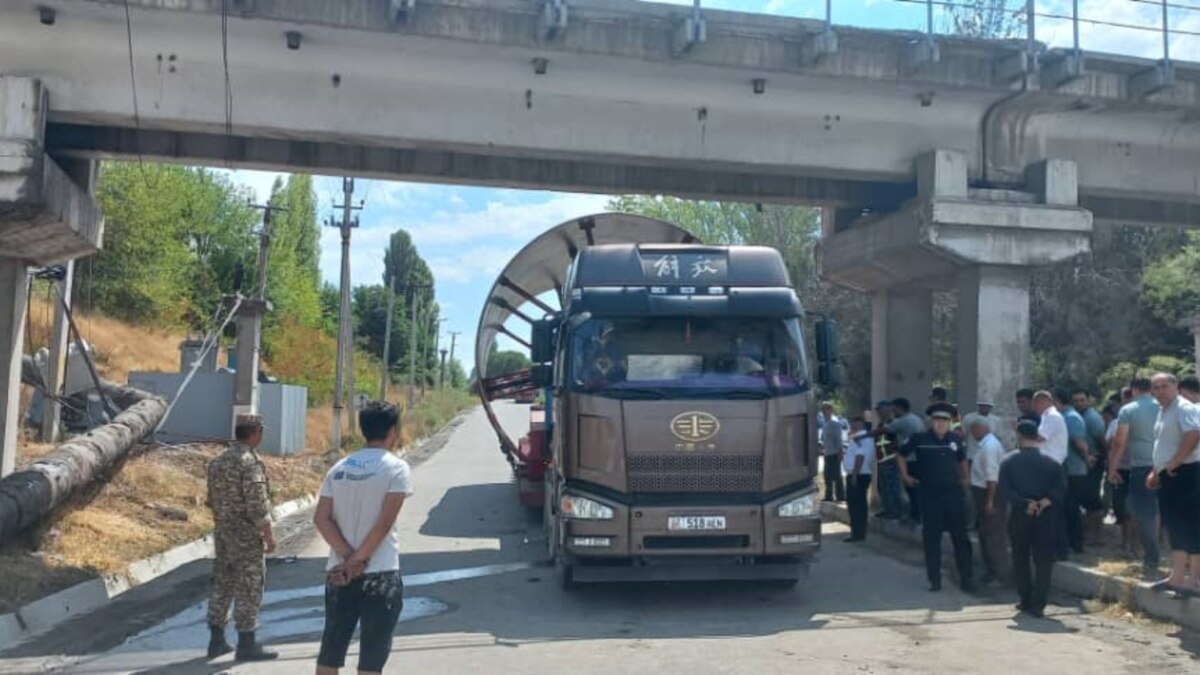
(42, 615)
(1069, 577)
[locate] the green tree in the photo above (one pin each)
(505, 361)
(456, 376)
(293, 265)
(175, 239)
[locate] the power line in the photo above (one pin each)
(137, 115)
(228, 84)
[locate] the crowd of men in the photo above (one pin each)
(1037, 488)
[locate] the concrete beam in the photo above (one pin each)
(926, 240)
(709, 180)
(14, 284)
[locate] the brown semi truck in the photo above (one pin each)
(679, 436)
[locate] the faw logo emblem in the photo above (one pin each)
(695, 427)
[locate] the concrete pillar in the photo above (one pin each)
(248, 349)
(57, 365)
(901, 345)
(13, 295)
(993, 335)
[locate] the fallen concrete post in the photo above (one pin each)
(29, 495)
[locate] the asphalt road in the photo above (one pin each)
(479, 600)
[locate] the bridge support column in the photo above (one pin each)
(993, 335)
(981, 242)
(46, 217)
(901, 344)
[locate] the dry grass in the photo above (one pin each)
(120, 347)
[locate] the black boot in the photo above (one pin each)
(217, 646)
(249, 650)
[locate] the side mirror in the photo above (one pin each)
(543, 336)
(829, 361)
(542, 376)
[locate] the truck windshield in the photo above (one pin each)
(669, 357)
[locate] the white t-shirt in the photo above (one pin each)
(967, 422)
(863, 446)
(358, 485)
(985, 468)
(1054, 429)
(1175, 420)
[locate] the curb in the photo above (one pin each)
(1069, 577)
(42, 615)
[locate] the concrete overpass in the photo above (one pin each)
(960, 153)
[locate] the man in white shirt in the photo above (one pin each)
(983, 412)
(859, 462)
(1176, 476)
(833, 444)
(360, 500)
(1053, 428)
(989, 506)
(1052, 432)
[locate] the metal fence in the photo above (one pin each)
(1164, 30)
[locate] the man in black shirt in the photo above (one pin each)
(942, 456)
(1032, 484)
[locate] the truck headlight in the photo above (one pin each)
(582, 508)
(800, 507)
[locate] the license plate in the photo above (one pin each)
(696, 523)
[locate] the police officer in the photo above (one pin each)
(1035, 487)
(241, 505)
(942, 456)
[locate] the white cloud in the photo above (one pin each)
(503, 219)
(1123, 40)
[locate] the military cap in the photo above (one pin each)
(941, 410)
(248, 420)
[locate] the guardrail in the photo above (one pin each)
(1165, 30)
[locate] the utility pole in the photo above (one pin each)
(442, 375)
(453, 340)
(412, 347)
(344, 350)
(387, 338)
(249, 323)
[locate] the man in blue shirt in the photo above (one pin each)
(1078, 464)
(1135, 439)
(1089, 498)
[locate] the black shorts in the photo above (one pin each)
(374, 599)
(1179, 503)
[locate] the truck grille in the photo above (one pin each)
(662, 543)
(695, 473)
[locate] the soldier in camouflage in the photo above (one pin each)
(241, 505)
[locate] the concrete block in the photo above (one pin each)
(1055, 181)
(942, 174)
(816, 46)
(920, 54)
(23, 107)
(1146, 83)
(45, 217)
(1015, 66)
(1059, 72)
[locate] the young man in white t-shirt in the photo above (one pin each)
(361, 497)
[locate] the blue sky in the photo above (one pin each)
(467, 234)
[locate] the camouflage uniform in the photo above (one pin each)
(240, 501)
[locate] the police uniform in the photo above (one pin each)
(940, 490)
(239, 498)
(1028, 478)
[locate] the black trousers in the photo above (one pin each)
(856, 503)
(1079, 491)
(943, 509)
(1032, 537)
(835, 487)
(914, 496)
(1062, 522)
